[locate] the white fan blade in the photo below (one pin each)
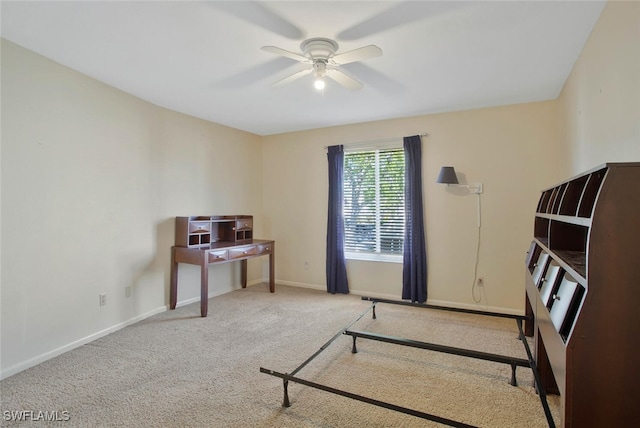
(293, 77)
(344, 79)
(279, 51)
(359, 54)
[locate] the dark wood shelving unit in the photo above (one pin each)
(583, 295)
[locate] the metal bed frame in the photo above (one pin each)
(512, 361)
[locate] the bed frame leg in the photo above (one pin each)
(521, 336)
(514, 381)
(286, 402)
(354, 350)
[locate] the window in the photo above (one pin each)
(373, 208)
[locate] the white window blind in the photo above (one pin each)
(373, 183)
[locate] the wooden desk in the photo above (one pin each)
(217, 253)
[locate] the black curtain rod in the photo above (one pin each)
(386, 140)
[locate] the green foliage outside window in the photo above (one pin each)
(374, 201)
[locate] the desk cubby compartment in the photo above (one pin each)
(244, 235)
(199, 240)
(199, 233)
(244, 229)
(194, 232)
(565, 304)
(224, 230)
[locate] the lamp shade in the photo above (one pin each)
(447, 175)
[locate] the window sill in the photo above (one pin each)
(371, 257)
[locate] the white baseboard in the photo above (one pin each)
(10, 371)
(301, 285)
(353, 292)
(448, 304)
(457, 305)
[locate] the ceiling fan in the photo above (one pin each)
(320, 54)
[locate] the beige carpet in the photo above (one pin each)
(177, 369)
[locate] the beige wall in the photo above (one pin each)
(599, 107)
(91, 180)
(507, 149)
(595, 120)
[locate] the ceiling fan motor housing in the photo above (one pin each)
(319, 48)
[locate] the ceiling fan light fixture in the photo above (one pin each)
(320, 56)
(319, 71)
(319, 68)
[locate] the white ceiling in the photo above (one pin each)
(204, 58)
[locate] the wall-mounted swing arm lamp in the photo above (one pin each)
(448, 176)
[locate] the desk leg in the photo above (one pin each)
(272, 259)
(173, 284)
(243, 273)
(204, 284)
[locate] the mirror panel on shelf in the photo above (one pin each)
(548, 283)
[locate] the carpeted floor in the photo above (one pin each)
(177, 369)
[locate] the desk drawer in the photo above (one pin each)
(265, 249)
(218, 256)
(199, 227)
(244, 224)
(248, 251)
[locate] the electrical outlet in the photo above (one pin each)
(306, 265)
(127, 291)
(103, 299)
(480, 282)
